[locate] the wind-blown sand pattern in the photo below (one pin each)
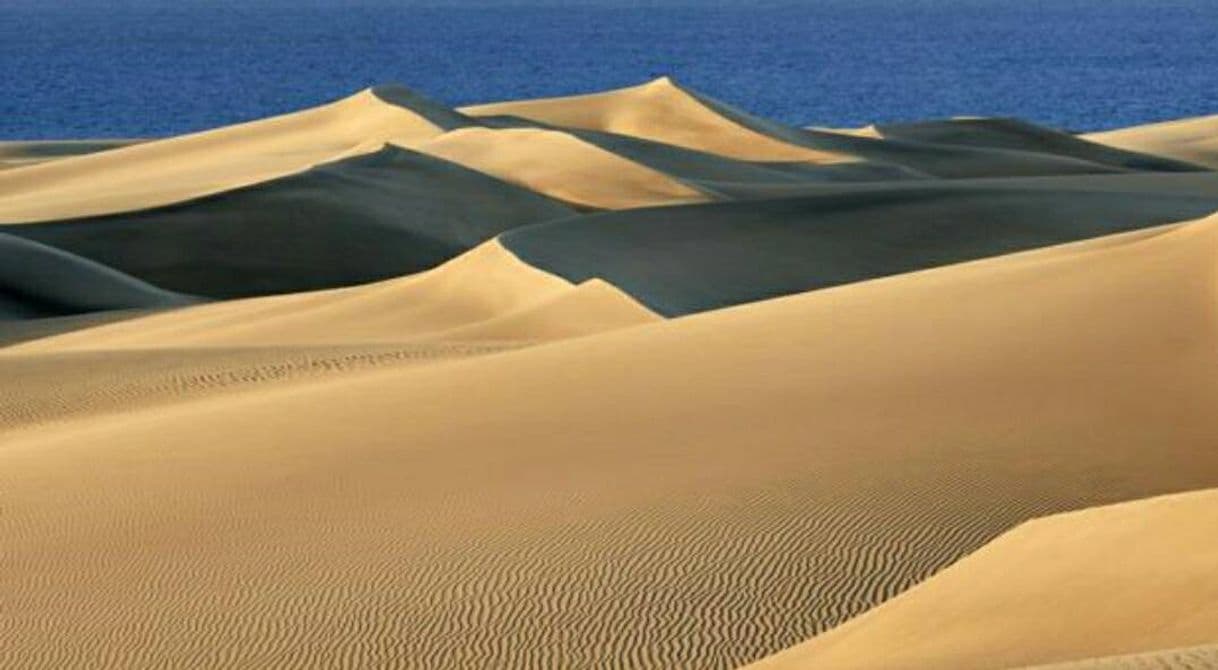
(1138, 575)
(629, 379)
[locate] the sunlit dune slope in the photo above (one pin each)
(559, 165)
(1133, 577)
(383, 214)
(1193, 140)
(697, 492)
(180, 168)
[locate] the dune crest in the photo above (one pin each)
(484, 288)
(659, 110)
(160, 172)
(484, 302)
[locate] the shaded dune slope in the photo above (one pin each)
(751, 497)
(41, 281)
(383, 214)
(1113, 568)
(679, 260)
(1014, 134)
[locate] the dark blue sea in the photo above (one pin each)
(122, 68)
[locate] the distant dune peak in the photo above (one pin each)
(663, 111)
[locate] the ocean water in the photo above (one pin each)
(128, 68)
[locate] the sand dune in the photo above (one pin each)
(482, 302)
(753, 495)
(180, 168)
(380, 384)
(560, 166)
(488, 288)
(665, 112)
(1115, 569)
(1192, 140)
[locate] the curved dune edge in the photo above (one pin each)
(648, 494)
(161, 172)
(486, 293)
(1194, 140)
(1100, 582)
(661, 111)
(559, 165)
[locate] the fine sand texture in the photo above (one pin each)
(630, 379)
(1191, 658)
